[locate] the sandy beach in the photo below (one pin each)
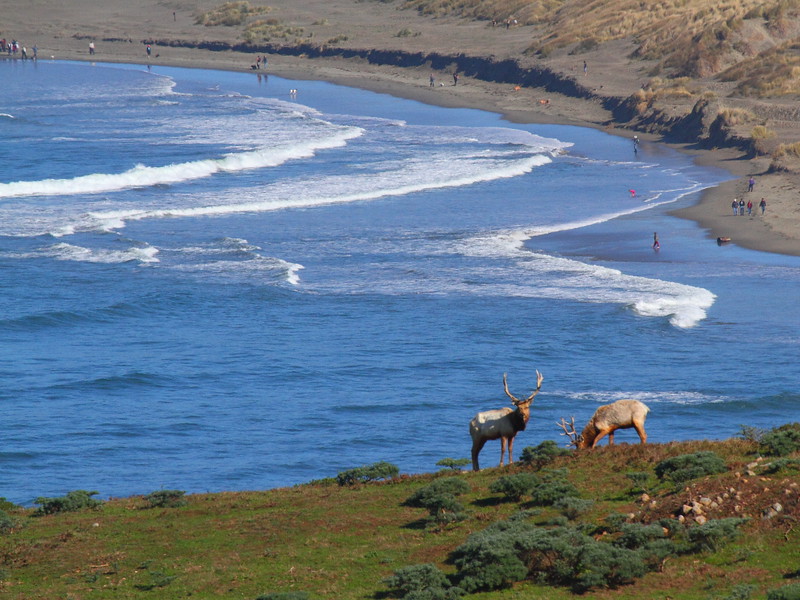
(119, 29)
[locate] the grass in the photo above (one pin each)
(334, 541)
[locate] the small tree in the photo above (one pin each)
(373, 472)
(75, 500)
(165, 499)
(690, 466)
(515, 486)
(453, 463)
(782, 440)
(422, 582)
(544, 453)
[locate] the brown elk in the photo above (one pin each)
(503, 423)
(622, 414)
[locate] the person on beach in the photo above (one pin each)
(433, 80)
(749, 208)
(635, 144)
(735, 207)
(149, 50)
(656, 243)
(741, 207)
(585, 68)
(455, 78)
(763, 206)
(751, 183)
(91, 48)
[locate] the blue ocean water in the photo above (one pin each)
(212, 284)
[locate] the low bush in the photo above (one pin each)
(786, 592)
(453, 463)
(373, 472)
(7, 523)
(690, 466)
(712, 535)
(165, 499)
(75, 500)
(782, 440)
(572, 507)
(544, 453)
(285, 596)
(548, 492)
(515, 486)
(439, 498)
(639, 480)
(422, 582)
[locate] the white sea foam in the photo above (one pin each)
(71, 252)
(144, 176)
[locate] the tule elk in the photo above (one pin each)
(503, 423)
(621, 414)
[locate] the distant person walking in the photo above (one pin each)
(735, 207)
(656, 243)
(763, 206)
(741, 207)
(585, 68)
(749, 208)
(149, 50)
(433, 80)
(91, 48)
(455, 78)
(751, 183)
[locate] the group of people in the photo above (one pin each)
(739, 207)
(14, 49)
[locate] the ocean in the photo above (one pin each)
(213, 283)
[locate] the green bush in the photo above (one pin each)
(780, 464)
(285, 596)
(639, 479)
(787, 592)
(75, 500)
(690, 466)
(515, 486)
(453, 463)
(373, 472)
(439, 498)
(637, 535)
(549, 492)
(7, 523)
(165, 499)
(422, 582)
(743, 591)
(572, 507)
(454, 486)
(781, 441)
(544, 453)
(712, 535)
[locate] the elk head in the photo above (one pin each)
(569, 430)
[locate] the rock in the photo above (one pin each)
(705, 501)
(700, 519)
(645, 497)
(686, 509)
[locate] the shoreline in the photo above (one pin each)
(778, 231)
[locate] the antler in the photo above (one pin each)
(539, 380)
(569, 432)
(505, 386)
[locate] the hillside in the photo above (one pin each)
(727, 530)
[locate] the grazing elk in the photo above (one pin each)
(503, 423)
(621, 414)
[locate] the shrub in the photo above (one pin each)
(165, 499)
(690, 466)
(751, 434)
(781, 441)
(448, 485)
(514, 487)
(548, 492)
(373, 472)
(544, 453)
(743, 591)
(779, 464)
(787, 592)
(637, 535)
(639, 479)
(439, 498)
(453, 463)
(422, 582)
(712, 535)
(285, 596)
(572, 507)
(75, 500)
(7, 523)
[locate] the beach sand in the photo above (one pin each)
(118, 29)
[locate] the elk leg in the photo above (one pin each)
(502, 449)
(476, 449)
(611, 438)
(600, 435)
(510, 450)
(642, 433)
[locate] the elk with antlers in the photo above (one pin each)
(503, 423)
(621, 414)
